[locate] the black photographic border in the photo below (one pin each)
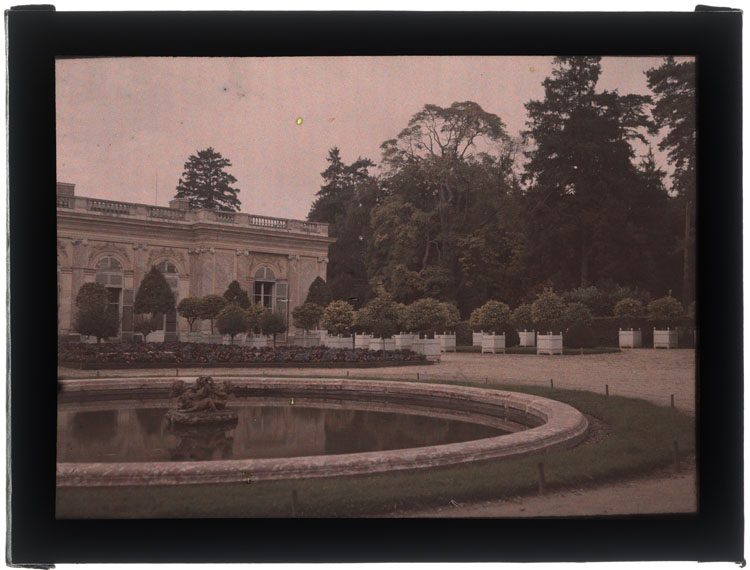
(36, 36)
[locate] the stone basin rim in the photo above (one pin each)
(563, 427)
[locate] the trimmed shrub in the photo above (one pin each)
(337, 317)
(577, 313)
(493, 316)
(628, 308)
(430, 316)
(210, 307)
(307, 315)
(595, 300)
(664, 311)
(272, 323)
(236, 295)
(548, 312)
(379, 317)
(579, 335)
(154, 294)
(95, 317)
(189, 309)
(319, 293)
(232, 320)
(522, 317)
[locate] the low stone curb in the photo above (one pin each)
(563, 427)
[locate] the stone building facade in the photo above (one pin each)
(200, 252)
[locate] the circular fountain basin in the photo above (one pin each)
(536, 425)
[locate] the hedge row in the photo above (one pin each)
(185, 353)
(606, 331)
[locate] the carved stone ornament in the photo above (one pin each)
(244, 252)
(137, 246)
(201, 249)
(110, 248)
(169, 253)
(80, 241)
(322, 260)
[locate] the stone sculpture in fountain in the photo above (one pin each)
(201, 404)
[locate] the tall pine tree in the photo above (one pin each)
(206, 183)
(579, 172)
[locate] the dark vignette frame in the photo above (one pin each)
(36, 36)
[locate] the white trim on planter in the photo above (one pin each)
(493, 343)
(665, 338)
(549, 343)
(631, 338)
(526, 338)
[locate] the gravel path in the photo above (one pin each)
(648, 374)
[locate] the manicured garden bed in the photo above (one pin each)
(183, 354)
(640, 438)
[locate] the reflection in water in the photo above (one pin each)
(267, 430)
(203, 444)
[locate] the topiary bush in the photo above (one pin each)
(232, 320)
(664, 311)
(628, 308)
(319, 293)
(522, 317)
(337, 317)
(430, 316)
(94, 316)
(577, 313)
(307, 315)
(236, 295)
(493, 316)
(548, 312)
(210, 307)
(189, 309)
(379, 317)
(511, 338)
(579, 335)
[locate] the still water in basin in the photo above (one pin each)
(273, 429)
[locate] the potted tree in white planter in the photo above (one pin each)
(627, 310)
(522, 320)
(548, 313)
(663, 313)
(189, 309)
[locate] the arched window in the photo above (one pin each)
(109, 274)
(264, 285)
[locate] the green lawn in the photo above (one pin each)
(641, 438)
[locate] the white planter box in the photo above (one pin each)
(631, 338)
(259, 341)
(403, 341)
(430, 347)
(339, 342)
(527, 338)
(447, 342)
(549, 344)
(362, 341)
(665, 338)
(476, 338)
(382, 344)
(493, 343)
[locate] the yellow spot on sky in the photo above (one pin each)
(291, 401)
(299, 120)
(531, 68)
(331, 119)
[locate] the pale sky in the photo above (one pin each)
(126, 126)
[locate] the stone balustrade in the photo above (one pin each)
(173, 215)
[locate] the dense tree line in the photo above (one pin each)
(465, 213)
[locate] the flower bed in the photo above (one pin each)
(139, 354)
